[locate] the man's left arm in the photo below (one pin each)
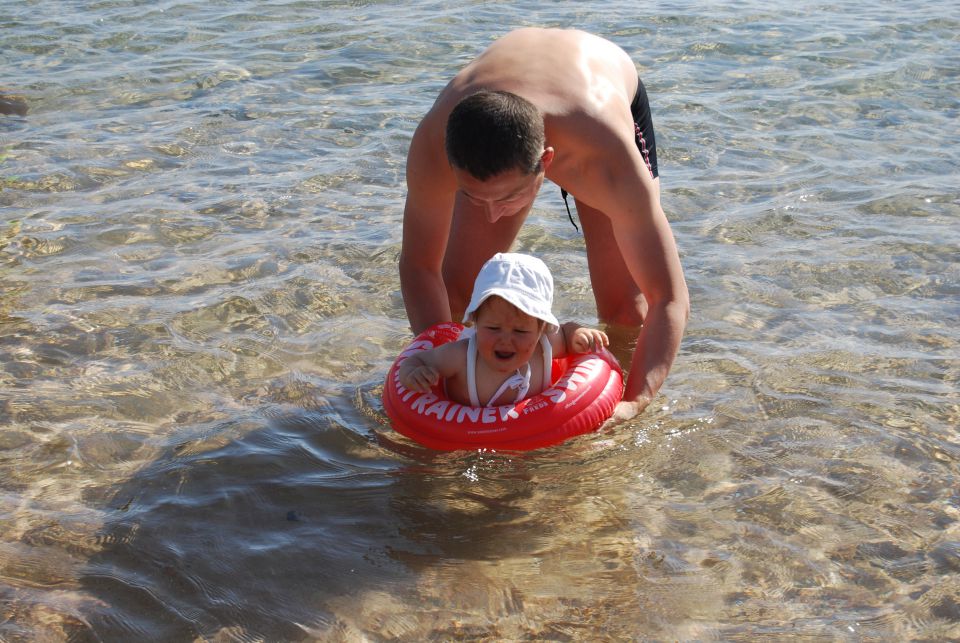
(649, 249)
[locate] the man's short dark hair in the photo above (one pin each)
(492, 132)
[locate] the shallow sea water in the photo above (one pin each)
(199, 301)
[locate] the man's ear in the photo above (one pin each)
(546, 158)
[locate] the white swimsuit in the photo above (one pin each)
(520, 382)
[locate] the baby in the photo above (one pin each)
(506, 355)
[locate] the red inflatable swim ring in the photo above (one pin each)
(585, 391)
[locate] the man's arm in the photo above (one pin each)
(650, 251)
(620, 186)
(426, 226)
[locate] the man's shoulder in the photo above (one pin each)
(589, 145)
(426, 156)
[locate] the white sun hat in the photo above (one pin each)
(522, 280)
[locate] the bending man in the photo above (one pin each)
(557, 104)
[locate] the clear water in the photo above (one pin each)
(200, 227)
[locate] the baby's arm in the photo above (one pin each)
(580, 339)
(422, 370)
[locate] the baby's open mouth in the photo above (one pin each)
(503, 354)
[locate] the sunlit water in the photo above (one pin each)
(198, 248)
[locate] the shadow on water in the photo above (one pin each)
(270, 532)
(253, 534)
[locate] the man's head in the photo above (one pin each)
(489, 133)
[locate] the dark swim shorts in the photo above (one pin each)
(643, 130)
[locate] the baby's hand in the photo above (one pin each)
(420, 378)
(585, 340)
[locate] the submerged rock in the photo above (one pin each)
(12, 104)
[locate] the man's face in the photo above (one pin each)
(505, 195)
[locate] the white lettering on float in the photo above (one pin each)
(421, 402)
(428, 404)
(415, 347)
(499, 429)
(470, 412)
(536, 406)
(438, 409)
(571, 380)
(575, 400)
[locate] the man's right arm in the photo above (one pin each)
(427, 216)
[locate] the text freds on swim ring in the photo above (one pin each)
(585, 391)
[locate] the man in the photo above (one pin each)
(557, 104)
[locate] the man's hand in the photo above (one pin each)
(623, 411)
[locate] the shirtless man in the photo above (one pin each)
(557, 104)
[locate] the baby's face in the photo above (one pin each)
(506, 337)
